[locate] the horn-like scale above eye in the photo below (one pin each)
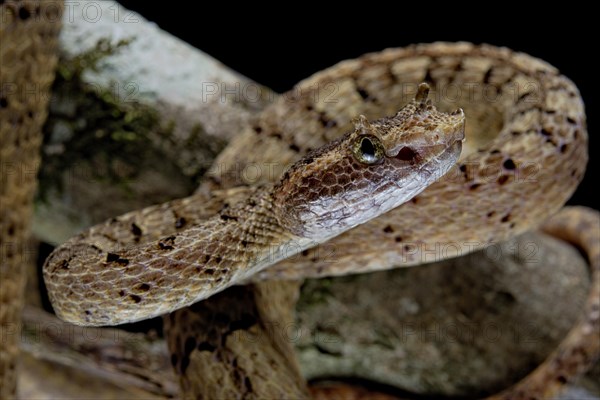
(368, 150)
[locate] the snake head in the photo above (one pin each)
(370, 170)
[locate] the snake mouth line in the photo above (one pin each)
(450, 151)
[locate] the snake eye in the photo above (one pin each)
(368, 150)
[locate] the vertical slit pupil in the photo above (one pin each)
(367, 148)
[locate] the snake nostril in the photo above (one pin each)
(406, 154)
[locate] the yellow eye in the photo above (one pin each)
(368, 150)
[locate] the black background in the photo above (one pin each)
(278, 52)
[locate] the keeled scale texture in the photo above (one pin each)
(28, 36)
(96, 279)
(510, 182)
(507, 184)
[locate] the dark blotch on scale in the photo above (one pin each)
(135, 229)
(509, 164)
(180, 223)
(135, 298)
(111, 257)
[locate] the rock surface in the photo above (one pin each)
(459, 327)
(136, 118)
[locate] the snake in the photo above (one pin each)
(527, 154)
(365, 173)
(28, 31)
(540, 152)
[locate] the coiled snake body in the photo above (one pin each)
(526, 152)
(28, 44)
(365, 173)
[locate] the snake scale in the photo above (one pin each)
(539, 152)
(528, 147)
(372, 169)
(29, 37)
